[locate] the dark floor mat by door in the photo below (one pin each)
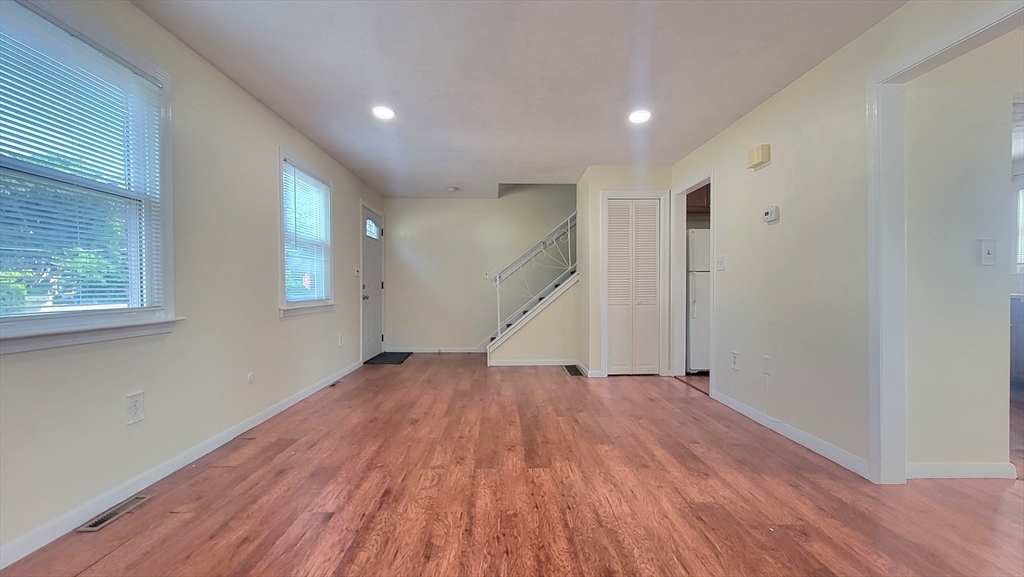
(388, 359)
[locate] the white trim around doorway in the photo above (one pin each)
(678, 296)
(663, 273)
(887, 245)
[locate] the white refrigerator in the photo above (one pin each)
(698, 313)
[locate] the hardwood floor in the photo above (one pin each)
(699, 382)
(441, 466)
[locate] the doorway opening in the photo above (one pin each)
(698, 289)
(947, 231)
(372, 278)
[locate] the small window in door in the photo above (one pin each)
(372, 230)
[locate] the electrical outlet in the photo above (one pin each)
(766, 365)
(735, 363)
(720, 263)
(136, 408)
(250, 378)
(341, 339)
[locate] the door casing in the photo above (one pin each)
(663, 271)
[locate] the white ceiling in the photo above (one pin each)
(510, 92)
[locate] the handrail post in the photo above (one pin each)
(568, 239)
(497, 290)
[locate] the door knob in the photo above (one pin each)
(366, 297)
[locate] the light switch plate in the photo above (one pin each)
(136, 408)
(988, 252)
(771, 213)
(720, 263)
(766, 365)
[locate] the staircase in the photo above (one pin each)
(523, 285)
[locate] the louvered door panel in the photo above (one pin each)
(620, 286)
(633, 232)
(646, 311)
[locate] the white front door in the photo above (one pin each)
(634, 300)
(373, 284)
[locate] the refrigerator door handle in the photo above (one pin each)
(693, 295)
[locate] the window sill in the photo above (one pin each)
(296, 311)
(82, 335)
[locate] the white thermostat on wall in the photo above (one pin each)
(771, 214)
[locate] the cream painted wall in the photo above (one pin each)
(436, 252)
(588, 201)
(63, 438)
(550, 336)
(797, 291)
(958, 175)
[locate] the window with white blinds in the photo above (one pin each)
(307, 237)
(80, 178)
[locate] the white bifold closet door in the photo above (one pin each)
(633, 300)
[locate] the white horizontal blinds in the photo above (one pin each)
(79, 175)
(307, 236)
(645, 251)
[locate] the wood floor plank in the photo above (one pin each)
(441, 466)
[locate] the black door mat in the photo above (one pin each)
(388, 359)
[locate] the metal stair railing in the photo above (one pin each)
(533, 276)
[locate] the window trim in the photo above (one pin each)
(73, 328)
(300, 308)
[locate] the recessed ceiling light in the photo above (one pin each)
(383, 112)
(639, 116)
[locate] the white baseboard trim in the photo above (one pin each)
(589, 373)
(595, 374)
(528, 362)
(435, 350)
(823, 448)
(42, 535)
(961, 471)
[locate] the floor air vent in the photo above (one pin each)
(107, 517)
(573, 370)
